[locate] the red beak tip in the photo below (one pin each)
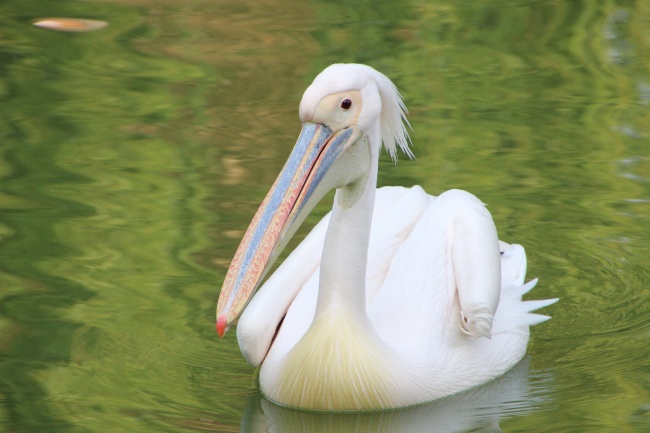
(221, 325)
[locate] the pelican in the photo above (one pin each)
(396, 297)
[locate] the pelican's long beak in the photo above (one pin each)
(293, 195)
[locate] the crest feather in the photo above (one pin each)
(394, 123)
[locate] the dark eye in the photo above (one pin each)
(346, 104)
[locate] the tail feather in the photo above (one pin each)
(537, 304)
(525, 288)
(513, 312)
(536, 319)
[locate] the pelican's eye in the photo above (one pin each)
(346, 104)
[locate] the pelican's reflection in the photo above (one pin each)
(477, 410)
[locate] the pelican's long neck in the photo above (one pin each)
(345, 252)
(341, 362)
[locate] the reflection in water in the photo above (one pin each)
(478, 410)
(635, 168)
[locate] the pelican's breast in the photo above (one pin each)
(339, 364)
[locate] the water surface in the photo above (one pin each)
(133, 157)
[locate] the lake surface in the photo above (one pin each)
(132, 159)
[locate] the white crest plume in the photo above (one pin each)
(393, 118)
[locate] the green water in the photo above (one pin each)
(132, 159)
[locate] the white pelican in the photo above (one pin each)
(392, 299)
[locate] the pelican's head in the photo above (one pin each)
(352, 95)
(346, 113)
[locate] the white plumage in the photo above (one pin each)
(396, 297)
